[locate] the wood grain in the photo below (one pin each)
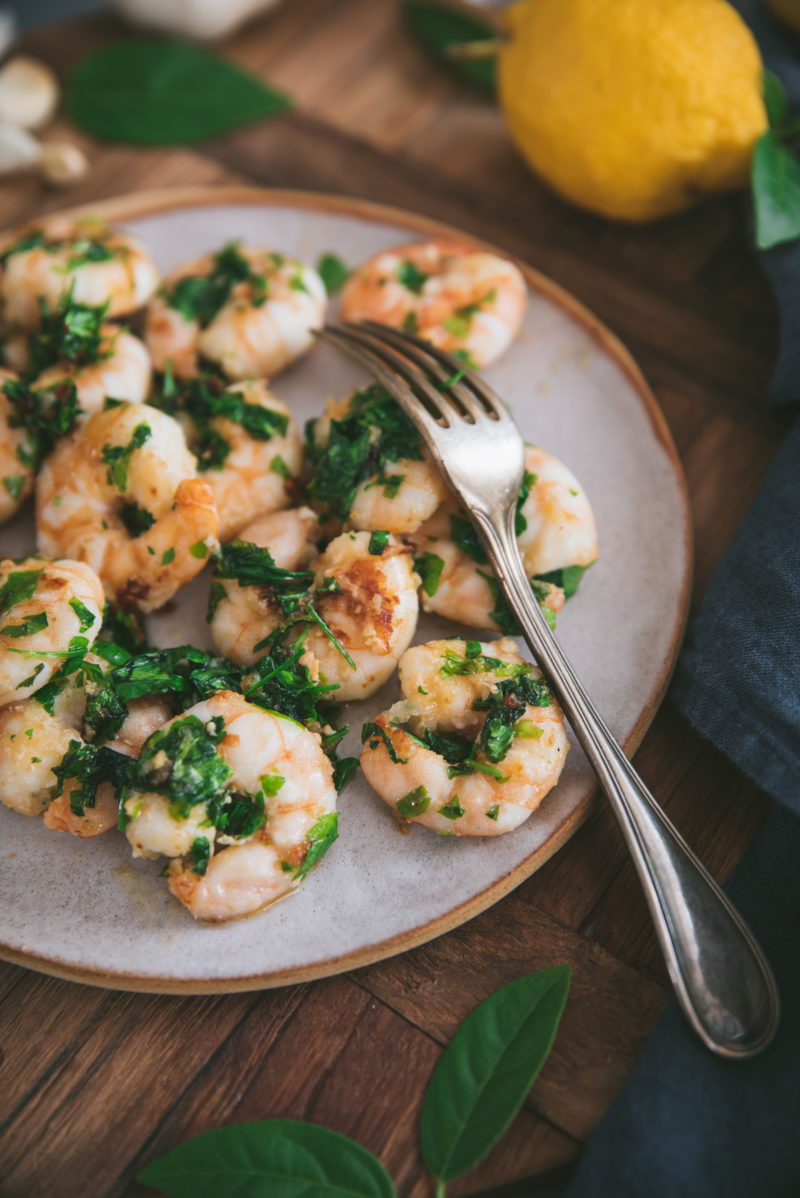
(94, 1084)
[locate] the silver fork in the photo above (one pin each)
(721, 978)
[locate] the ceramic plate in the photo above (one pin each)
(87, 911)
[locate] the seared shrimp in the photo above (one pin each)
(43, 606)
(371, 469)
(43, 753)
(121, 493)
(251, 311)
(121, 371)
(556, 535)
(362, 588)
(248, 446)
(461, 298)
(247, 822)
(74, 342)
(87, 259)
(475, 744)
(17, 454)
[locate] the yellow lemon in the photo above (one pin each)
(633, 108)
(787, 11)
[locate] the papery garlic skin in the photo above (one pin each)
(61, 164)
(29, 92)
(19, 151)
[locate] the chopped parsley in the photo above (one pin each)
(567, 578)
(278, 466)
(15, 485)
(136, 519)
(28, 627)
(200, 297)
(416, 802)
(504, 706)
(18, 588)
(493, 812)
(199, 854)
(374, 431)
(452, 809)
(377, 542)
(182, 763)
(373, 734)
(333, 272)
(319, 837)
(429, 566)
(410, 276)
(72, 333)
(45, 413)
(235, 814)
(91, 766)
(460, 323)
(118, 457)
(199, 549)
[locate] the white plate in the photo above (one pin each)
(85, 910)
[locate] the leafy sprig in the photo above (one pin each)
(474, 1094)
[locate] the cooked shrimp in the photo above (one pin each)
(249, 310)
(260, 811)
(43, 606)
(371, 469)
(241, 616)
(17, 454)
(556, 533)
(127, 469)
(88, 259)
(486, 740)
(34, 748)
(121, 371)
(248, 447)
(65, 814)
(461, 298)
(363, 588)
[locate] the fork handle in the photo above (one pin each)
(721, 978)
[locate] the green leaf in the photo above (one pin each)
(438, 26)
(775, 100)
(490, 1065)
(776, 192)
(149, 91)
(279, 1157)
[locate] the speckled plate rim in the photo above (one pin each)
(148, 203)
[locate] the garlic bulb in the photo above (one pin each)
(28, 92)
(205, 20)
(61, 163)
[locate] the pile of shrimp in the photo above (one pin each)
(160, 446)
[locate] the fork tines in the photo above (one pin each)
(433, 386)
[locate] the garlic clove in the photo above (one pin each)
(28, 92)
(61, 163)
(19, 151)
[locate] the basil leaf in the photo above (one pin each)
(150, 91)
(487, 1069)
(279, 1156)
(438, 26)
(776, 192)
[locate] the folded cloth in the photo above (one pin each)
(687, 1123)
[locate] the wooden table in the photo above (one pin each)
(94, 1084)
